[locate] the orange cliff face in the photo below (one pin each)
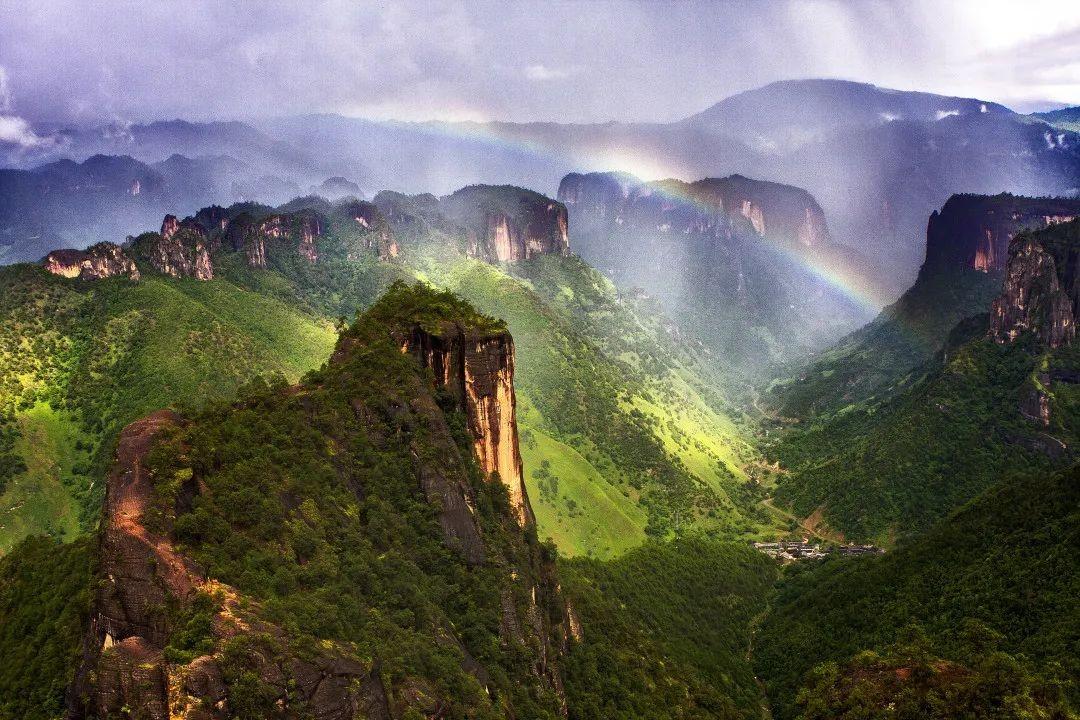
(103, 260)
(478, 369)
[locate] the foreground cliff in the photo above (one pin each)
(339, 549)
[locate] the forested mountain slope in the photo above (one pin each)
(988, 404)
(625, 429)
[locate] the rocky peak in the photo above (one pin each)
(781, 212)
(181, 249)
(506, 223)
(96, 262)
(975, 231)
(1041, 292)
(346, 502)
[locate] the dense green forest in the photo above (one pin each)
(45, 590)
(675, 618)
(879, 472)
(888, 355)
(1001, 575)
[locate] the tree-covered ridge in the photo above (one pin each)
(309, 504)
(910, 683)
(79, 360)
(676, 618)
(1003, 568)
(404, 305)
(45, 591)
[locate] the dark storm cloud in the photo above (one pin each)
(583, 61)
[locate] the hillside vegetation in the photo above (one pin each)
(994, 588)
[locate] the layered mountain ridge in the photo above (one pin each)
(734, 259)
(854, 146)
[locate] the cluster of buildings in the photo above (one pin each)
(790, 550)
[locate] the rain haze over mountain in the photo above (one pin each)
(273, 99)
(561, 61)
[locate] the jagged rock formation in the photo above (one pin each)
(975, 231)
(478, 369)
(96, 262)
(1042, 287)
(374, 457)
(298, 231)
(505, 223)
(181, 249)
(367, 223)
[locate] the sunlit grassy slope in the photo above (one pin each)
(635, 438)
(78, 361)
(624, 434)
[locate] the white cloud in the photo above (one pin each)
(5, 91)
(942, 114)
(17, 131)
(540, 73)
(14, 129)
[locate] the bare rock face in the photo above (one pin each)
(103, 260)
(506, 223)
(181, 249)
(1040, 292)
(975, 231)
(478, 369)
(256, 237)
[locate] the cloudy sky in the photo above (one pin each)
(568, 61)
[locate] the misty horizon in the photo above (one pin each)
(563, 62)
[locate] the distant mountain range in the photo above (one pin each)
(877, 160)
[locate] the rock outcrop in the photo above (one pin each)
(297, 231)
(975, 231)
(477, 368)
(781, 212)
(103, 260)
(505, 223)
(366, 223)
(1042, 287)
(181, 249)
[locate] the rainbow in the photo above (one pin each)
(659, 177)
